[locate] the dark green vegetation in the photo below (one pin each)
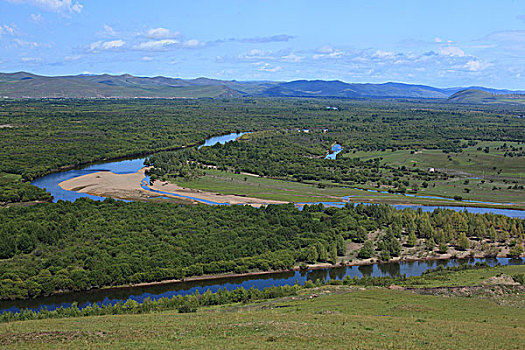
(343, 315)
(479, 96)
(23, 84)
(83, 245)
(386, 147)
(37, 137)
(13, 190)
(283, 155)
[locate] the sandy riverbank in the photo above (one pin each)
(127, 186)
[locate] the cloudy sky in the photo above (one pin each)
(440, 43)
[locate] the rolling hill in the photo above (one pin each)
(27, 85)
(477, 96)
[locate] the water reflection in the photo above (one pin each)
(112, 296)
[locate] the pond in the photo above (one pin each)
(334, 151)
(154, 292)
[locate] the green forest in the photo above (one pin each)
(87, 244)
(52, 247)
(47, 135)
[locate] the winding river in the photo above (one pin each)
(111, 296)
(50, 183)
(139, 293)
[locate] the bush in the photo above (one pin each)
(186, 308)
(520, 278)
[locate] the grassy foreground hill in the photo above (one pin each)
(477, 96)
(330, 316)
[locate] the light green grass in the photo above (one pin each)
(470, 277)
(480, 163)
(272, 189)
(265, 188)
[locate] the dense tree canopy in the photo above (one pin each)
(87, 244)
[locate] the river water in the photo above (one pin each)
(112, 296)
(50, 183)
(154, 292)
(130, 166)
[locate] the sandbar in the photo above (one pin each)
(128, 186)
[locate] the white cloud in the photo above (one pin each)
(29, 44)
(476, 65)
(147, 58)
(107, 32)
(156, 44)
(161, 33)
(113, 44)
(508, 36)
(6, 30)
(192, 43)
(257, 54)
(383, 54)
(36, 18)
(291, 58)
(453, 51)
(30, 59)
(266, 67)
(327, 52)
(106, 45)
(438, 40)
(72, 58)
(61, 6)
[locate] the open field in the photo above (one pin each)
(329, 316)
(273, 189)
(471, 161)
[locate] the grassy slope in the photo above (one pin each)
(331, 317)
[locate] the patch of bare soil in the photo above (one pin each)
(503, 294)
(500, 280)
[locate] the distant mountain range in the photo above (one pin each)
(27, 85)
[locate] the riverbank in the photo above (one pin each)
(128, 186)
(310, 267)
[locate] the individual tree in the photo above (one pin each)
(340, 244)
(443, 248)
(312, 254)
(362, 234)
(463, 241)
(322, 250)
(516, 251)
(412, 239)
(367, 251)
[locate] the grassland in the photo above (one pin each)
(471, 161)
(490, 176)
(224, 182)
(329, 317)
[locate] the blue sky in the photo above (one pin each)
(440, 43)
